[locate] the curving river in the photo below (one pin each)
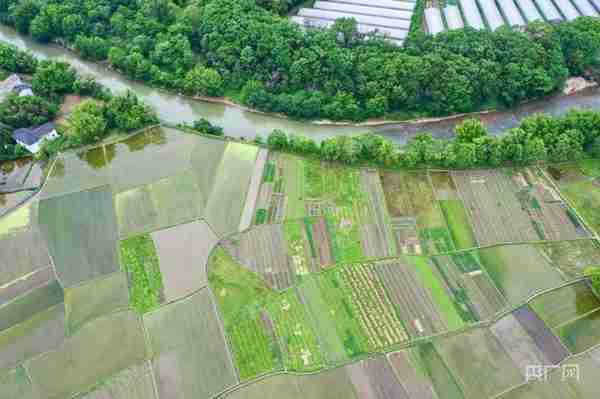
(237, 122)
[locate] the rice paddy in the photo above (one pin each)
(176, 266)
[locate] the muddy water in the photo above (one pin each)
(239, 123)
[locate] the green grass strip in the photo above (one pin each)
(139, 260)
(441, 298)
(458, 223)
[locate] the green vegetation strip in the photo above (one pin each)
(443, 301)
(237, 291)
(140, 261)
(458, 223)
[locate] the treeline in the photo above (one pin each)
(538, 138)
(51, 82)
(242, 49)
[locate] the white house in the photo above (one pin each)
(14, 84)
(33, 138)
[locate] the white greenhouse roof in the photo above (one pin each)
(491, 13)
(530, 11)
(435, 23)
(567, 9)
(398, 5)
(395, 35)
(362, 19)
(585, 8)
(453, 18)
(471, 14)
(511, 12)
(354, 9)
(549, 10)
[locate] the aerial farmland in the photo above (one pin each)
(218, 269)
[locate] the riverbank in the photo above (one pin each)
(242, 122)
(573, 86)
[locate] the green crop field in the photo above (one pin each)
(140, 262)
(299, 343)
(458, 223)
(294, 232)
(359, 282)
(443, 301)
(240, 295)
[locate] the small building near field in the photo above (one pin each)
(14, 84)
(33, 137)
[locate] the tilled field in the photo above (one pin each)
(485, 297)
(375, 379)
(518, 343)
(416, 385)
(322, 242)
(556, 222)
(416, 303)
(496, 215)
(377, 239)
(547, 342)
(253, 190)
(264, 250)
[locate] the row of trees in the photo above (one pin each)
(245, 49)
(538, 138)
(51, 82)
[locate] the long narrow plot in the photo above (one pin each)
(81, 232)
(551, 347)
(226, 202)
(377, 237)
(416, 303)
(414, 380)
(519, 345)
(191, 358)
(375, 379)
(252, 195)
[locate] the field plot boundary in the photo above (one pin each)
(564, 362)
(559, 191)
(413, 343)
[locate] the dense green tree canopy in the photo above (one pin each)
(250, 47)
(26, 111)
